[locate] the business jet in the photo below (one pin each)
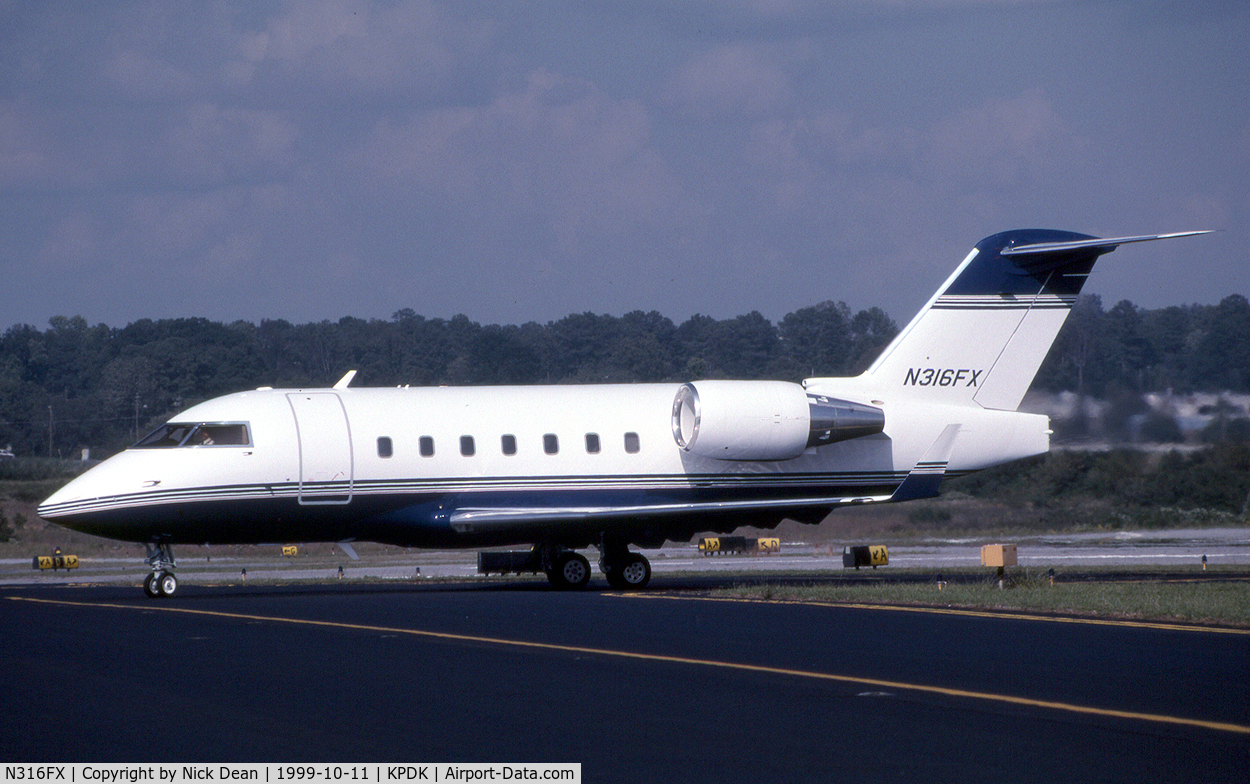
(564, 468)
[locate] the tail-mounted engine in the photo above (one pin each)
(764, 420)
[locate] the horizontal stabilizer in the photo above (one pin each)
(1109, 243)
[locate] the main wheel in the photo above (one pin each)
(150, 587)
(631, 574)
(569, 571)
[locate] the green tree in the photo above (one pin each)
(818, 338)
(1222, 360)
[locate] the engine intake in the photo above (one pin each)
(764, 420)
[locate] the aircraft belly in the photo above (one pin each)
(221, 516)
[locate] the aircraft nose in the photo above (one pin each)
(79, 499)
(58, 505)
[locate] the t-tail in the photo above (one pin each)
(981, 338)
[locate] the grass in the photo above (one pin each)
(1201, 600)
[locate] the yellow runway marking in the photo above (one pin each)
(1006, 614)
(1005, 699)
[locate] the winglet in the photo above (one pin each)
(923, 480)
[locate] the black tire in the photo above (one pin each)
(569, 571)
(632, 574)
(167, 584)
(150, 586)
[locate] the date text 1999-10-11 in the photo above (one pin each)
(324, 773)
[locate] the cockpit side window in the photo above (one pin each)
(174, 434)
(233, 434)
(166, 435)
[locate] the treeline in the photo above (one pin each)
(1184, 348)
(1124, 484)
(74, 385)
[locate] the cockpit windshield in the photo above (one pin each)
(173, 434)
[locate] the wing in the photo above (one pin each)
(921, 482)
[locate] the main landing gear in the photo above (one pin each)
(161, 582)
(624, 570)
(568, 570)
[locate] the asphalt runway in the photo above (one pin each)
(658, 686)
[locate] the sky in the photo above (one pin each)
(523, 161)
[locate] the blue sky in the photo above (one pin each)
(523, 161)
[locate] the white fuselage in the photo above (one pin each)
(494, 465)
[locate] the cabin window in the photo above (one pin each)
(425, 445)
(592, 443)
(467, 447)
(174, 434)
(551, 444)
(385, 447)
(631, 443)
(508, 444)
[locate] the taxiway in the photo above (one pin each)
(659, 686)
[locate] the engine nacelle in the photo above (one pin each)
(764, 420)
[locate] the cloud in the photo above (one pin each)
(24, 155)
(348, 51)
(734, 80)
(557, 149)
(74, 240)
(215, 144)
(141, 76)
(819, 160)
(1005, 141)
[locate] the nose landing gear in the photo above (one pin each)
(161, 582)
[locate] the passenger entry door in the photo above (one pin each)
(325, 447)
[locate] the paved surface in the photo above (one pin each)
(660, 686)
(1182, 549)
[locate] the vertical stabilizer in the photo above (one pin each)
(982, 337)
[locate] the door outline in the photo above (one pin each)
(323, 437)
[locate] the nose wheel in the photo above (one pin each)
(161, 582)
